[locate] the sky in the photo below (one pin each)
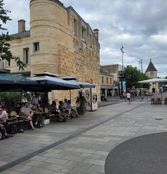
(139, 25)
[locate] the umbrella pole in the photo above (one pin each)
(70, 94)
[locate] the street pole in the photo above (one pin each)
(122, 74)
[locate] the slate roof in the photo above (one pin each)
(151, 67)
(20, 35)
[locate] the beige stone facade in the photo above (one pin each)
(59, 41)
(109, 75)
(113, 70)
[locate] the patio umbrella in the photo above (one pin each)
(16, 82)
(54, 83)
(81, 84)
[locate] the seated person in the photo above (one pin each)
(53, 108)
(66, 107)
(61, 108)
(3, 120)
(27, 113)
(38, 114)
(3, 132)
(61, 115)
(72, 110)
(3, 114)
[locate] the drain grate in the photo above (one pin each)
(158, 118)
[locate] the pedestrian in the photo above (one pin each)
(128, 96)
(81, 103)
(142, 96)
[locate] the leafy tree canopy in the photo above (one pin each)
(5, 53)
(133, 75)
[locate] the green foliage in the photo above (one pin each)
(10, 98)
(5, 52)
(132, 76)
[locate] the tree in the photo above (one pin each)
(5, 53)
(132, 76)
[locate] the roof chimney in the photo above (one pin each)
(21, 25)
(96, 33)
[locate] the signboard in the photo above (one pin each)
(87, 93)
(122, 87)
(91, 98)
(94, 103)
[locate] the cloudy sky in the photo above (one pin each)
(140, 25)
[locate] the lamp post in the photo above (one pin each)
(122, 73)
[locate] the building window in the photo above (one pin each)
(110, 80)
(102, 79)
(75, 27)
(36, 46)
(83, 33)
(26, 55)
(106, 80)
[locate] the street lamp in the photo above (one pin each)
(122, 74)
(122, 51)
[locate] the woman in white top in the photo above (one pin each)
(128, 96)
(3, 114)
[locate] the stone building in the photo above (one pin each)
(59, 41)
(106, 85)
(109, 75)
(113, 69)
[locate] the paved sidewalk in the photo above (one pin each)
(80, 146)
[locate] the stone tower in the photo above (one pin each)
(46, 31)
(151, 71)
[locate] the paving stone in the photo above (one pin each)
(85, 153)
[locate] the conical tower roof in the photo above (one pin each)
(151, 67)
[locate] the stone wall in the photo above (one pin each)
(67, 44)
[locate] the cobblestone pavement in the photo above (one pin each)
(80, 146)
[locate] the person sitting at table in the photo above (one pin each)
(3, 122)
(62, 115)
(66, 108)
(3, 133)
(3, 114)
(26, 112)
(54, 110)
(72, 110)
(38, 114)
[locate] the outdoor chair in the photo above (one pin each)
(73, 112)
(152, 101)
(165, 100)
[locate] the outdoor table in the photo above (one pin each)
(156, 100)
